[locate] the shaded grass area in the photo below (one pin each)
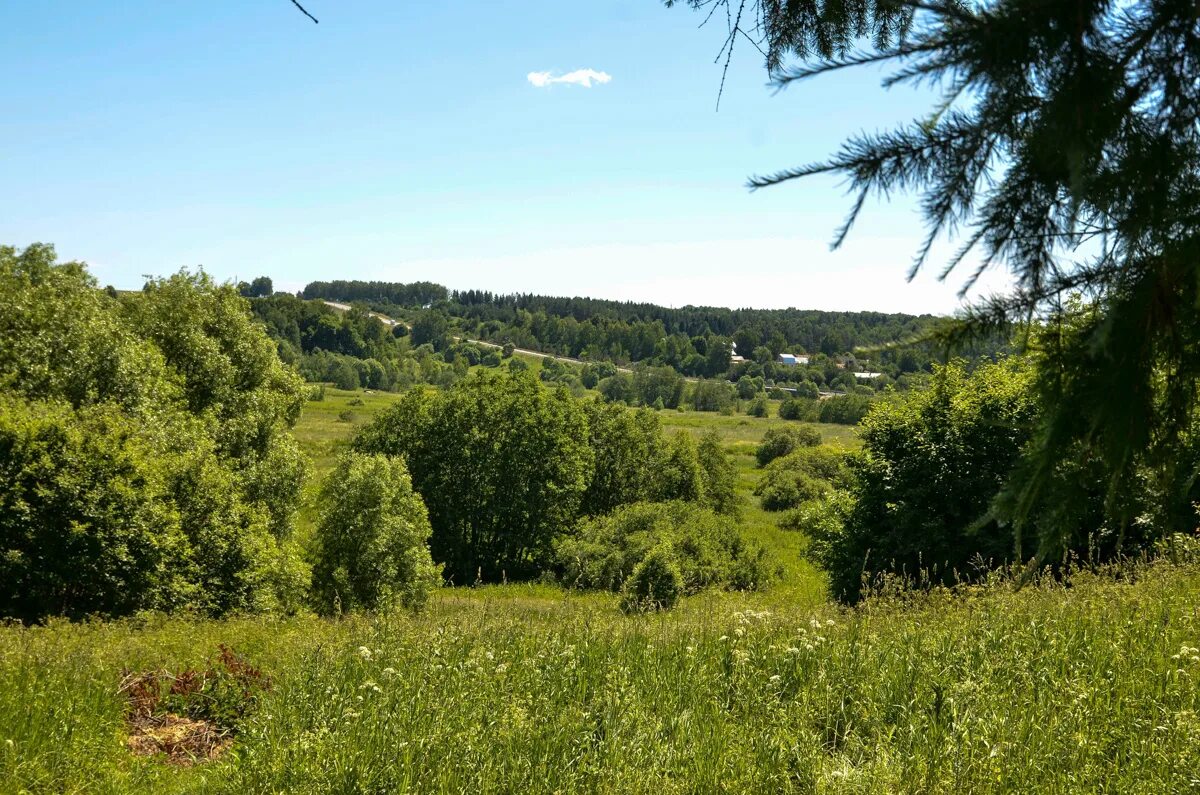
(1085, 688)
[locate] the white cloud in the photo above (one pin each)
(580, 77)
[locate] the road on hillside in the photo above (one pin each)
(387, 321)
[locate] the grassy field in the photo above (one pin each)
(1084, 686)
(1090, 688)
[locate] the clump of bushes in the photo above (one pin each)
(504, 463)
(144, 456)
(605, 552)
(808, 473)
(923, 487)
(778, 442)
(846, 409)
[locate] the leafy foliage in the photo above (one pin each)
(718, 474)
(502, 464)
(807, 473)
(656, 583)
(144, 446)
(778, 442)
(372, 537)
(924, 484)
(707, 549)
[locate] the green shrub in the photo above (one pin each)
(316, 393)
(758, 407)
(808, 473)
(656, 583)
(84, 527)
(798, 409)
(604, 552)
(844, 409)
(712, 395)
(930, 467)
(680, 475)
(778, 442)
(718, 474)
(371, 538)
(144, 447)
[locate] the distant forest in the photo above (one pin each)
(697, 341)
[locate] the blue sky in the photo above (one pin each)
(406, 141)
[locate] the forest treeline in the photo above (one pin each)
(695, 341)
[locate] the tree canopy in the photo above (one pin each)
(1063, 146)
(144, 447)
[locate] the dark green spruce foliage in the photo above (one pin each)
(1062, 145)
(707, 549)
(143, 446)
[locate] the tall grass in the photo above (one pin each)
(1086, 686)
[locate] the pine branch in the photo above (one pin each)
(304, 11)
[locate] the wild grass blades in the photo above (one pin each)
(1084, 686)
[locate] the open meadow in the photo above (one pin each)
(1083, 686)
(1087, 688)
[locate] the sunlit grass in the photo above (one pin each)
(519, 688)
(1084, 687)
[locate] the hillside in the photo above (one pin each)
(696, 341)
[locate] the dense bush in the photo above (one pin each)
(144, 447)
(617, 388)
(658, 384)
(758, 407)
(604, 551)
(797, 409)
(680, 474)
(371, 542)
(923, 485)
(84, 527)
(778, 442)
(502, 464)
(629, 449)
(809, 473)
(718, 474)
(655, 584)
(712, 395)
(844, 409)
